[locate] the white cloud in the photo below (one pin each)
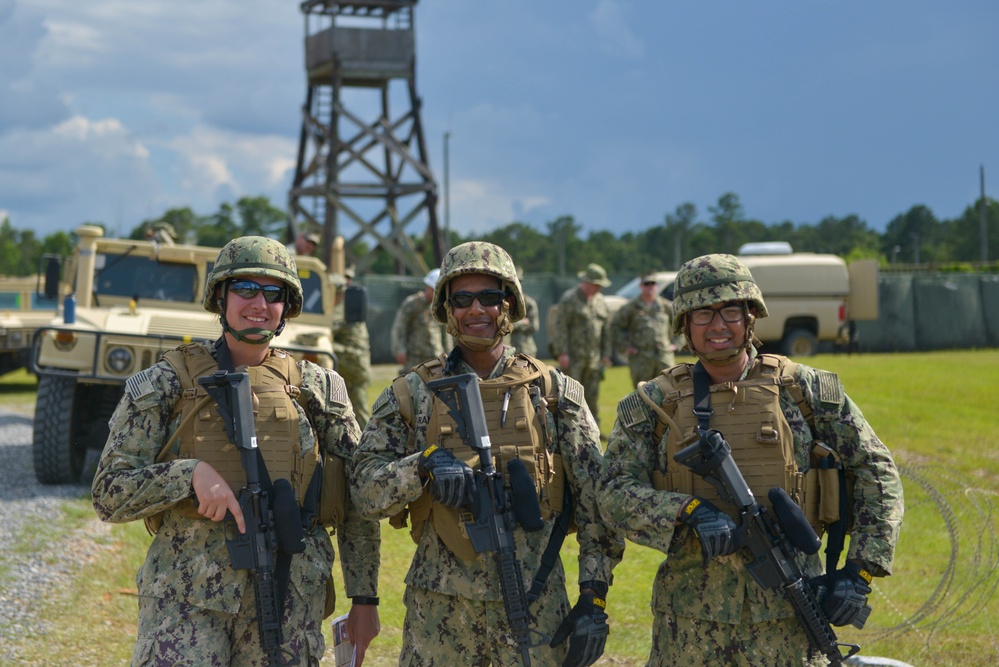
(614, 35)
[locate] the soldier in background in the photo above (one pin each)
(162, 233)
(787, 424)
(522, 336)
(582, 341)
(412, 465)
(352, 347)
(305, 243)
(642, 332)
(416, 337)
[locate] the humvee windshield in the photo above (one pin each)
(145, 278)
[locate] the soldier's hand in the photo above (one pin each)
(451, 480)
(563, 361)
(844, 596)
(214, 495)
(716, 531)
(586, 629)
(401, 358)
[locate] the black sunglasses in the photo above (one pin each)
(248, 289)
(487, 298)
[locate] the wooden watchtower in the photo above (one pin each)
(359, 167)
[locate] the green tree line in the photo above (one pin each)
(916, 237)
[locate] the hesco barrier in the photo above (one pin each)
(922, 311)
(919, 311)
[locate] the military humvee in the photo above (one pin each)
(134, 301)
(22, 310)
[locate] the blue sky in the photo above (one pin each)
(613, 111)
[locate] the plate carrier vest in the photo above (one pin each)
(275, 387)
(749, 416)
(525, 434)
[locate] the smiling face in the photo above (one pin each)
(718, 334)
(477, 320)
(254, 312)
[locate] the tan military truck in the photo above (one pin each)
(23, 309)
(133, 301)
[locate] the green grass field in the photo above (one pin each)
(941, 607)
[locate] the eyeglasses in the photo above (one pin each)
(487, 298)
(648, 282)
(703, 316)
(248, 289)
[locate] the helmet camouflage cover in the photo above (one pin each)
(712, 279)
(251, 256)
(478, 257)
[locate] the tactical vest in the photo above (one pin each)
(749, 415)
(275, 389)
(525, 387)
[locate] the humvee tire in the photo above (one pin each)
(58, 457)
(799, 343)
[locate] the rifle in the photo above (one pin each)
(256, 549)
(494, 512)
(769, 538)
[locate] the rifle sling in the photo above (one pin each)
(548, 559)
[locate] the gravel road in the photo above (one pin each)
(33, 572)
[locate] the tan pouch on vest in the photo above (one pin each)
(333, 497)
(329, 606)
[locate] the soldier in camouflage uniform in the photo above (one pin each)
(707, 608)
(353, 352)
(642, 332)
(522, 336)
(416, 337)
(409, 466)
(581, 340)
(181, 476)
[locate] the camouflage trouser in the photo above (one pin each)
(441, 630)
(175, 634)
(589, 375)
(357, 377)
(644, 369)
(679, 641)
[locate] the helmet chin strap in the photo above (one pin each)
(477, 343)
(266, 335)
(725, 357)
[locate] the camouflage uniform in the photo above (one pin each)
(455, 611)
(645, 327)
(522, 337)
(194, 608)
(415, 333)
(582, 331)
(353, 353)
(718, 614)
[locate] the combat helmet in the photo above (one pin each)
(249, 256)
(713, 279)
(478, 257)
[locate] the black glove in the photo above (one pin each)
(715, 530)
(586, 629)
(843, 595)
(451, 480)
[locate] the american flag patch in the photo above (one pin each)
(630, 410)
(830, 389)
(139, 385)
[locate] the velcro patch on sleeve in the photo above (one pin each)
(336, 389)
(573, 392)
(139, 385)
(830, 389)
(631, 411)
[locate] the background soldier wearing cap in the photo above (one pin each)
(777, 416)
(162, 233)
(581, 340)
(412, 465)
(352, 346)
(416, 336)
(642, 332)
(305, 243)
(181, 475)
(522, 336)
